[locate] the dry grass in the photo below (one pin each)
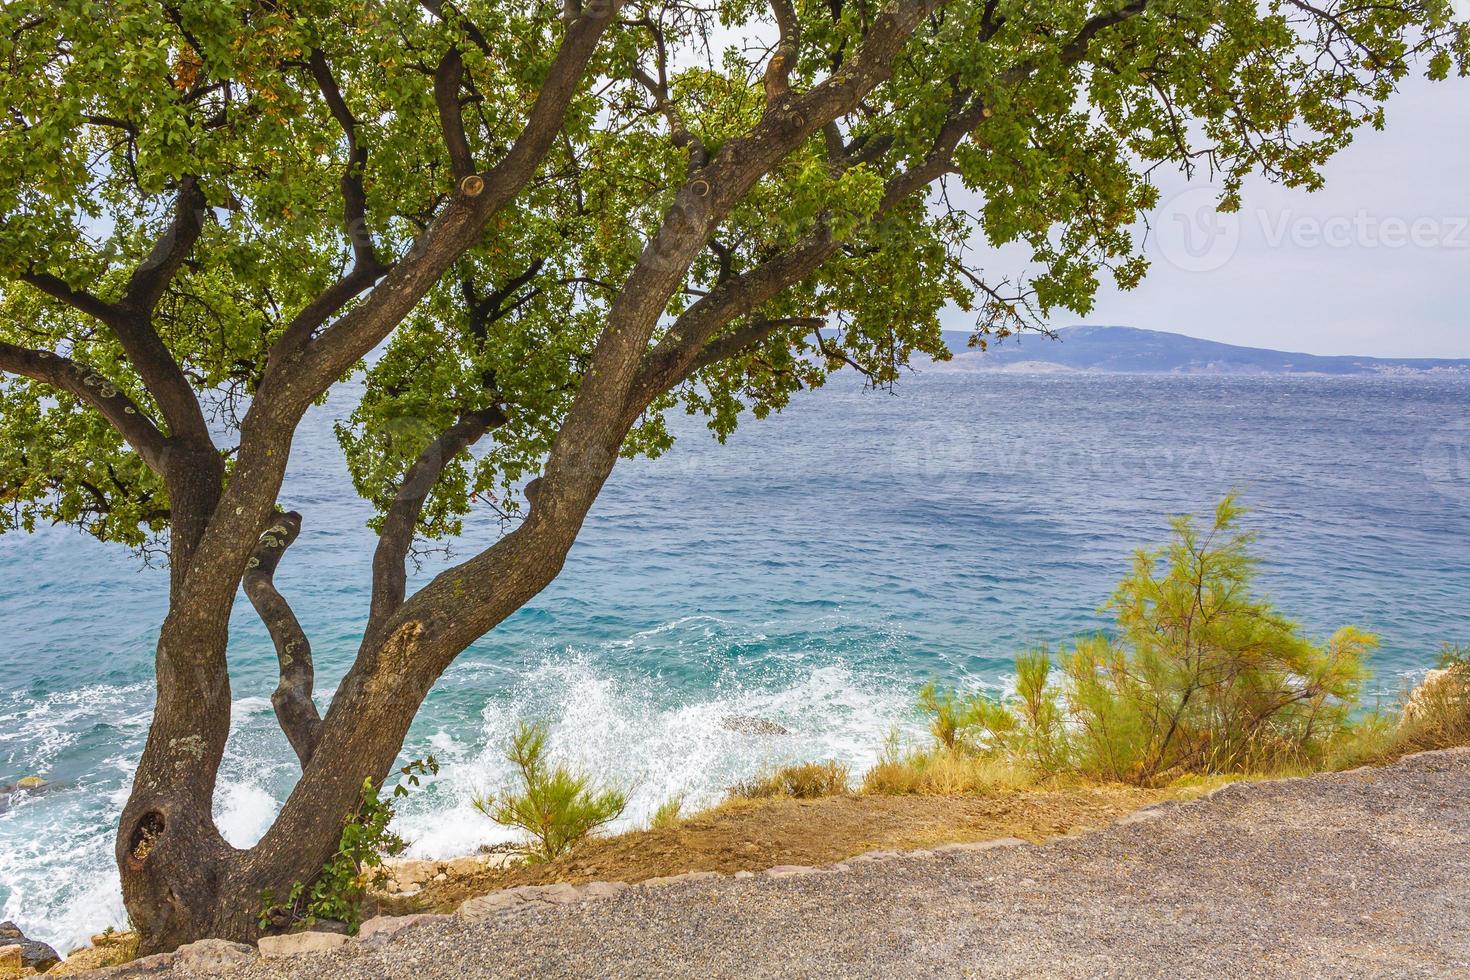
(1440, 718)
(946, 772)
(751, 835)
(114, 949)
(1435, 715)
(807, 781)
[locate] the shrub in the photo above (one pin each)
(339, 890)
(807, 781)
(1203, 676)
(970, 723)
(669, 813)
(1040, 737)
(558, 808)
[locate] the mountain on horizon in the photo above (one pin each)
(1131, 350)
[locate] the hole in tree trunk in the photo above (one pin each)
(145, 835)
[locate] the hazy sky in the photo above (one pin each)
(1378, 262)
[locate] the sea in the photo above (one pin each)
(814, 572)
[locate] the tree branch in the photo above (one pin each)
(447, 79)
(457, 228)
(295, 710)
(678, 354)
(148, 282)
(131, 319)
(462, 602)
(96, 391)
(778, 70)
(400, 523)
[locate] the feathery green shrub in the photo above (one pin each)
(1200, 676)
(557, 807)
(1204, 676)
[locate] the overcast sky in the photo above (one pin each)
(1378, 262)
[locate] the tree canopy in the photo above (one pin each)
(230, 164)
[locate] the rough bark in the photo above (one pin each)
(291, 699)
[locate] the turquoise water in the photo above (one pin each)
(811, 572)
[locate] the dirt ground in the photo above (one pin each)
(755, 835)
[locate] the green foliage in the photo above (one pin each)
(1455, 657)
(963, 722)
(558, 808)
(337, 893)
(803, 781)
(1040, 737)
(115, 106)
(1202, 675)
(669, 813)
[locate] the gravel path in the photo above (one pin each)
(1355, 874)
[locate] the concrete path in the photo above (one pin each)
(1361, 874)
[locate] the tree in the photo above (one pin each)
(554, 224)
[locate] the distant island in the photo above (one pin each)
(1129, 350)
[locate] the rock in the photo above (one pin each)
(750, 725)
(26, 786)
(380, 928)
(1144, 815)
(140, 967)
(296, 943)
(214, 956)
(557, 894)
(485, 906)
(684, 878)
(10, 961)
(870, 856)
(1416, 706)
(33, 955)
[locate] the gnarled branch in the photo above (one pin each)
(295, 711)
